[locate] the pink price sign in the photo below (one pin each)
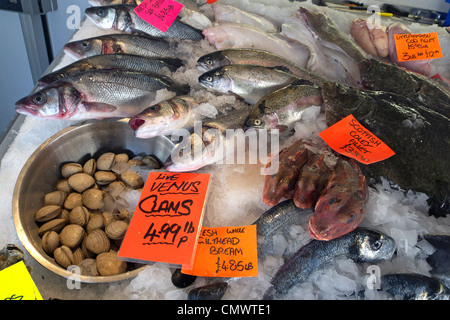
(159, 13)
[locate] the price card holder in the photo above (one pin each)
(350, 138)
(421, 46)
(167, 221)
(226, 252)
(159, 13)
(16, 284)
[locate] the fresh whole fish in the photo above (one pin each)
(278, 220)
(342, 205)
(96, 94)
(381, 76)
(123, 62)
(229, 36)
(410, 286)
(224, 13)
(123, 18)
(280, 109)
(419, 66)
(373, 39)
(257, 57)
(249, 82)
(418, 136)
(163, 118)
(361, 245)
(140, 45)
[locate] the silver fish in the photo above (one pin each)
(123, 18)
(124, 62)
(96, 94)
(141, 45)
(249, 82)
(360, 245)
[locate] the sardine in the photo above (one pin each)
(282, 108)
(163, 118)
(140, 45)
(342, 204)
(96, 94)
(249, 82)
(418, 136)
(122, 62)
(278, 220)
(410, 286)
(257, 57)
(228, 36)
(123, 18)
(360, 245)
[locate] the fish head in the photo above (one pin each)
(266, 121)
(56, 101)
(212, 61)
(102, 16)
(371, 246)
(83, 48)
(217, 80)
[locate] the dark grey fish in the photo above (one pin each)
(420, 138)
(123, 18)
(213, 291)
(9, 255)
(440, 259)
(360, 245)
(123, 62)
(408, 286)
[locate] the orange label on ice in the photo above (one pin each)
(350, 138)
(418, 46)
(159, 13)
(167, 220)
(226, 252)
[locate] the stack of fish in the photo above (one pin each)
(277, 71)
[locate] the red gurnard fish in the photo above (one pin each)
(341, 207)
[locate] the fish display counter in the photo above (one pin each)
(260, 96)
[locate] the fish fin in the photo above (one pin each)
(302, 82)
(99, 107)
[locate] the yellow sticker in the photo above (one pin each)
(16, 284)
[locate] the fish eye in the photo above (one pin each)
(39, 98)
(377, 245)
(209, 62)
(209, 79)
(85, 44)
(101, 12)
(154, 108)
(257, 122)
(62, 75)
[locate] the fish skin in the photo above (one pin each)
(123, 18)
(342, 205)
(410, 286)
(311, 182)
(361, 245)
(418, 87)
(249, 82)
(257, 57)
(123, 62)
(278, 219)
(228, 36)
(96, 94)
(281, 108)
(415, 133)
(164, 117)
(136, 44)
(212, 291)
(282, 184)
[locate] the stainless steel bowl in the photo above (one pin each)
(42, 170)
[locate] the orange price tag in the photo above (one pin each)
(226, 252)
(159, 13)
(420, 46)
(350, 138)
(210, 1)
(167, 220)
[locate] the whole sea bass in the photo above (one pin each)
(249, 82)
(418, 136)
(360, 245)
(96, 94)
(123, 18)
(141, 45)
(123, 62)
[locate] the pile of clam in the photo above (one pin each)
(84, 220)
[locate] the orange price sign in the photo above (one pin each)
(166, 223)
(350, 138)
(226, 252)
(420, 46)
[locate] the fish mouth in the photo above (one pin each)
(23, 107)
(135, 123)
(71, 53)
